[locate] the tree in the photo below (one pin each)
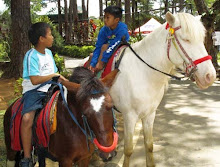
(127, 12)
(66, 21)
(59, 18)
(20, 23)
(100, 8)
(209, 16)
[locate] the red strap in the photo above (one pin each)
(202, 59)
(167, 26)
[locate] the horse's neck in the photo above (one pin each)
(152, 49)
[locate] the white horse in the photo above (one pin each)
(138, 89)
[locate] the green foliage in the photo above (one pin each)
(135, 38)
(99, 23)
(5, 38)
(60, 65)
(18, 87)
(3, 53)
(76, 51)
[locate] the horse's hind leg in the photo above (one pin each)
(129, 126)
(13, 158)
(147, 123)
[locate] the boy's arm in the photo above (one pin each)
(35, 80)
(113, 43)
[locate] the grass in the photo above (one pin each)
(2, 141)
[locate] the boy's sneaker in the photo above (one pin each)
(26, 162)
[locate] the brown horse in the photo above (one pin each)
(88, 98)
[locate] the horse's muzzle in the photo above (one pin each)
(107, 156)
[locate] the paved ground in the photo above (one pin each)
(186, 129)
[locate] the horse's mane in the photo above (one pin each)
(192, 28)
(90, 84)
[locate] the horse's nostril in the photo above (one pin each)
(207, 78)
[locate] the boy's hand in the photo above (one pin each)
(62, 78)
(92, 68)
(99, 66)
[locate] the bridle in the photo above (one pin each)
(188, 63)
(89, 134)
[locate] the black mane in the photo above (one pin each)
(90, 84)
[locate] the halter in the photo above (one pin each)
(188, 63)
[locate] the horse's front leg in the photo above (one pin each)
(147, 123)
(65, 162)
(129, 126)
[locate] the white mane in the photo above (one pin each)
(191, 27)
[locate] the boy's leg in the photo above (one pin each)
(104, 48)
(26, 133)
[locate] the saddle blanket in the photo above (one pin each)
(44, 126)
(110, 66)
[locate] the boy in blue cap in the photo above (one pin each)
(109, 37)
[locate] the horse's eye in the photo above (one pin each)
(187, 40)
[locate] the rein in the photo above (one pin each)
(172, 76)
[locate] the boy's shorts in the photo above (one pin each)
(32, 100)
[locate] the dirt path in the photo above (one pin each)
(6, 92)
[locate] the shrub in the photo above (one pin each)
(61, 66)
(76, 52)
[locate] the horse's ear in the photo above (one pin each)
(108, 79)
(170, 18)
(71, 86)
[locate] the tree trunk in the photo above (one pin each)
(70, 27)
(60, 18)
(166, 4)
(87, 7)
(66, 22)
(118, 3)
(208, 19)
(127, 13)
(100, 9)
(112, 2)
(83, 10)
(20, 23)
(106, 3)
(181, 5)
(133, 14)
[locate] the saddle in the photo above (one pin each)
(44, 122)
(114, 60)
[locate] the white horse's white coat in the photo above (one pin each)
(138, 89)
